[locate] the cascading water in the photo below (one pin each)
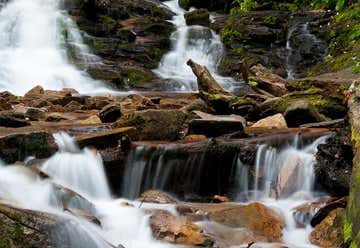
(78, 169)
(198, 43)
(303, 48)
(36, 38)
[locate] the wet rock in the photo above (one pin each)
(324, 211)
(56, 117)
(305, 212)
(110, 113)
(155, 196)
(302, 111)
(35, 114)
(198, 17)
(194, 138)
(333, 165)
(73, 106)
(104, 139)
(17, 147)
(9, 119)
(274, 121)
(155, 124)
(329, 233)
(29, 228)
(264, 222)
(175, 230)
(219, 199)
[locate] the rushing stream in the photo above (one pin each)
(81, 170)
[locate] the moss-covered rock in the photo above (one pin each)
(155, 124)
(198, 17)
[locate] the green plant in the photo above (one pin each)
(356, 68)
(245, 5)
(228, 36)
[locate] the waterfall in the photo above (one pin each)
(303, 48)
(81, 170)
(36, 40)
(198, 43)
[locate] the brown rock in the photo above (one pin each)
(272, 83)
(73, 106)
(275, 121)
(264, 222)
(175, 230)
(134, 103)
(156, 196)
(104, 139)
(329, 233)
(37, 90)
(194, 138)
(94, 119)
(110, 113)
(325, 210)
(9, 119)
(219, 199)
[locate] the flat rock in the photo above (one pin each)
(172, 229)
(155, 196)
(274, 121)
(104, 139)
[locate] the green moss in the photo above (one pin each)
(134, 120)
(108, 21)
(253, 84)
(347, 232)
(229, 36)
(135, 76)
(356, 68)
(271, 19)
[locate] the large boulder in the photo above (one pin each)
(333, 165)
(198, 17)
(155, 124)
(301, 112)
(29, 228)
(265, 223)
(175, 230)
(329, 233)
(13, 120)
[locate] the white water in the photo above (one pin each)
(129, 225)
(198, 43)
(35, 38)
(78, 169)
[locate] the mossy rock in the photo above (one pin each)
(198, 17)
(155, 124)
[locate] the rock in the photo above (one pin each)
(333, 165)
(172, 229)
(194, 138)
(13, 120)
(73, 106)
(37, 90)
(216, 125)
(56, 117)
(198, 17)
(215, 128)
(94, 119)
(302, 111)
(35, 114)
(155, 196)
(262, 221)
(155, 124)
(329, 233)
(219, 199)
(110, 113)
(338, 123)
(274, 121)
(104, 139)
(268, 81)
(134, 103)
(29, 228)
(19, 146)
(324, 211)
(305, 212)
